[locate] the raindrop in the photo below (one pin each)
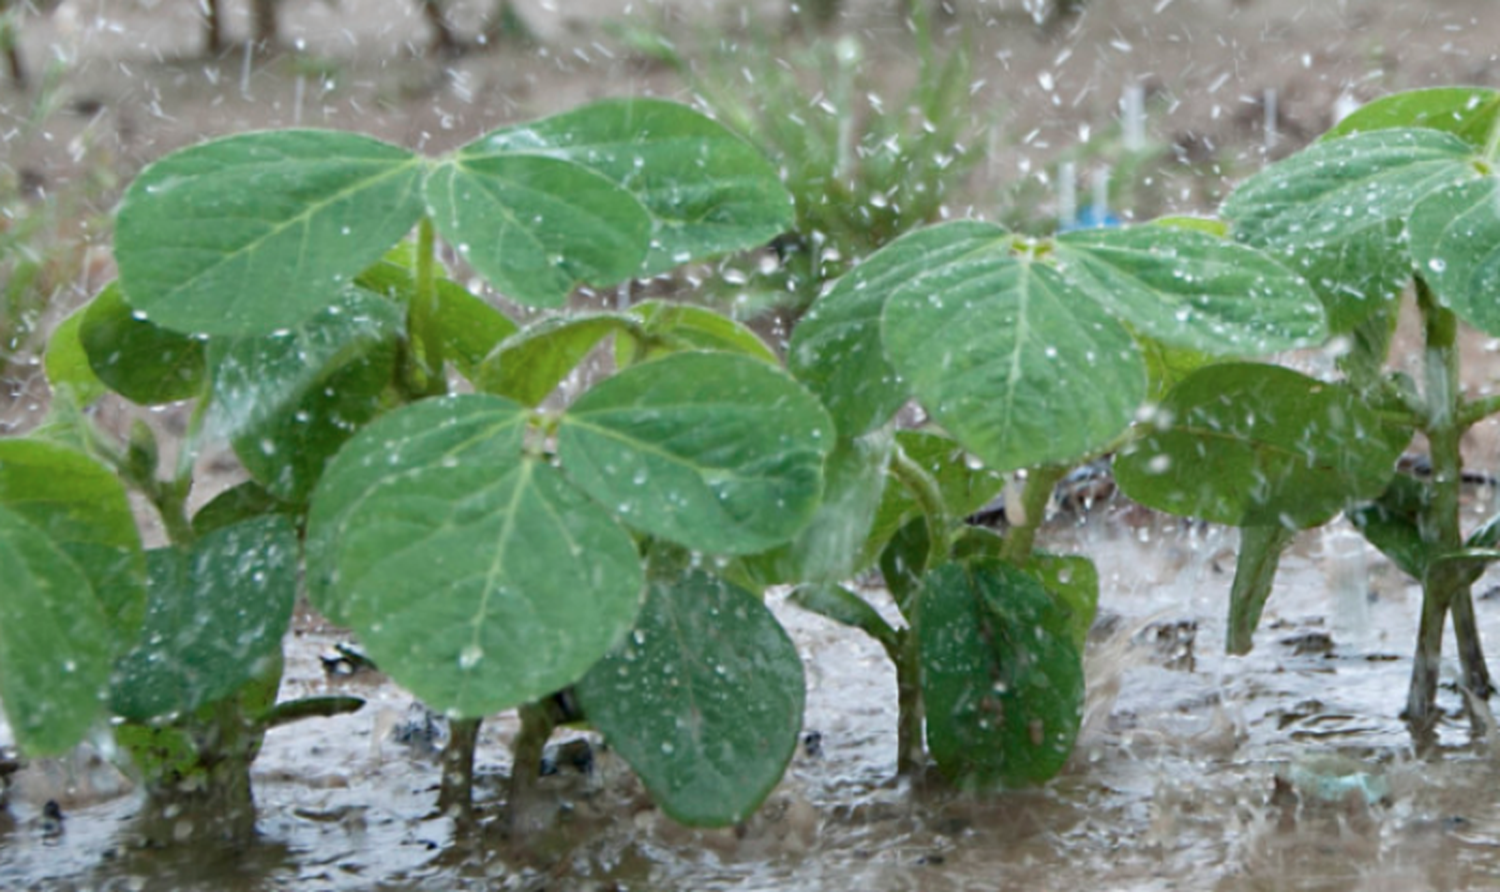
(470, 656)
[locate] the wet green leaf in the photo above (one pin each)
(830, 547)
(1465, 112)
(703, 699)
(288, 401)
(54, 641)
(965, 483)
(1193, 291)
(478, 577)
(1259, 445)
(530, 364)
(81, 506)
(1336, 213)
(239, 503)
(1002, 681)
(1012, 360)
(1455, 242)
(216, 615)
(837, 349)
(705, 191)
(716, 452)
(140, 361)
(1254, 574)
(1390, 523)
(672, 327)
(252, 233)
(1074, 581)
(843, 606)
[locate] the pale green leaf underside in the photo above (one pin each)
(717, 452)
(704, 699)
(1251, 445)
(54, 645)
(253, 233)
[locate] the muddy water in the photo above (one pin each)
(1173, 784)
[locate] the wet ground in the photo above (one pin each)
(1175, 781)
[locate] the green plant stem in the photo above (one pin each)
(1021, 537)
(928, 495)
(456, 789)
(1471, 412)
(537, 723)
(424, 351)
(909, 709)
(1446, 586)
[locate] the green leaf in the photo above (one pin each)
(477, 577)
(1192, 290)
(903, 562)
(54, 641)
(535, 226)
(1254, 574)
(1390, 523)
(830, 547)
(716, 452)
(1166, 367)
(239, 503)
(67, 365)
(530, 364)
(704, 699)
(216, 616)
(142, 362)
(706, 191)
(1002, 681)
(668, 328)
(252, 233)
(1455, 242)
(1259, 445)
(1012, 360)
(1466, 112)
(81, 506)
(837, 348)
(839, 604)
(288, 401)
(1210, 225)
(1336, 213)
(1074, 581)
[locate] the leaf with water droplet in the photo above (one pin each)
(530, 364)
(1258, 445)
(140, 361)
(1455, 242)
(965, 483)
(1012, 360)
(478, 577)
(216, 614)
(245, 235)
(732, 450)
(668, 327)
(54, 642)
(82, 507)
(1467, 112)
(1335, 213)
(1193, 291)
(288, 401)
(1002, 681)
(708, 707)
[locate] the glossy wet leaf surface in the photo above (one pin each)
(668, 327)
(477, 577)
(1455, 242)
(531, 363)
(140, 361)
(288, 401)
(717, 452)
(1002, 681)
(1250, 445)
(54, 640)
(253, 233)
(1466, 112)
(1335, 213)
(704, 699)
(215, 618)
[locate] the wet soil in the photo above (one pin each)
(1174, 784)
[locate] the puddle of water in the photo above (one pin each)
(1173, 784)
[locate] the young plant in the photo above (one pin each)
(1029, 355)
(1403, 193)
(488, 552)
